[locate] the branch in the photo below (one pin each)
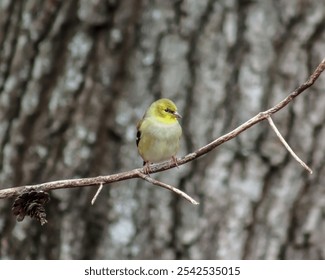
(138, 173)
(258, 118)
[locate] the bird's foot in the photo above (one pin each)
(146, 167)
(174, 160)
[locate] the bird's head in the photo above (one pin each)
(165, 110)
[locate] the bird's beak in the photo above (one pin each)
(177, 115)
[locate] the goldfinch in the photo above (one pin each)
(158, 133)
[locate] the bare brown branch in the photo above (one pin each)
(137, 173)
(258, 118)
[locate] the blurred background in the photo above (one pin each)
(76, 76)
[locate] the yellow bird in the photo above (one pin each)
(158, 133)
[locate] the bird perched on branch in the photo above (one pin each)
(158, 133)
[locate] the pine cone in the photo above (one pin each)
(31, 203)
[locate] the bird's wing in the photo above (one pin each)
(138, 132)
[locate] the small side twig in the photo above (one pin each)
(97, 193)
(283, 141)
(168, 187)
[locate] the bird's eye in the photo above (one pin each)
(167, 110)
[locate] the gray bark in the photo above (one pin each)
(75, 76)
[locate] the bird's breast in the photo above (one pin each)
(160, 142)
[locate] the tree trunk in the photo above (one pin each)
(75, 76)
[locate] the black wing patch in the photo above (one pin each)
(138, 137)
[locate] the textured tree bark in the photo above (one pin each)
(75, 76)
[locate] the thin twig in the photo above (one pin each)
(277, 132)
(97, 193)
(168, 187)
(135, 173)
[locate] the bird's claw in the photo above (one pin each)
(146, 168)
(174, 160)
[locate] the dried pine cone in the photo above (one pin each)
(31, 203)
